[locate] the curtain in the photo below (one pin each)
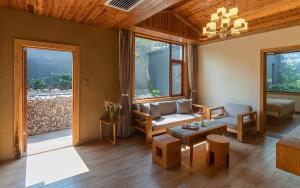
(125, 61)
(192, 70)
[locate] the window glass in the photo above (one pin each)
(176, 52)
(283, 72)
(176, 78)
(152, 68)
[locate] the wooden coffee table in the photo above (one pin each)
(191, 137)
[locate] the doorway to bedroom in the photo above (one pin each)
(282, 90)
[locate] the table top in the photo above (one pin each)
(166, 138)
(292, 139)
(217, 138)
(209, 125)
(191, 136)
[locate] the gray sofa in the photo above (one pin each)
(155, 118)
(238, 117)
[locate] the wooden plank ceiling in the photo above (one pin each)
(90, 11)
(183, 18)
(262, 15)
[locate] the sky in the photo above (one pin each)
(42, 63)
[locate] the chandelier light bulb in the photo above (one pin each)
(211, 26)
(226, 28)
(214, 17)
(221, 12)
(225, 22)
(233, 12)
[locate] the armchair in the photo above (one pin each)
(238, 118)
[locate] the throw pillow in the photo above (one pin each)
(145, 107)
(155, 110)
(184, 106)
(167, 107)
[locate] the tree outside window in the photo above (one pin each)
(283, 72)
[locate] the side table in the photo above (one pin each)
(218, 151)
(114, 125)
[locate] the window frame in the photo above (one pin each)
(175, 61)
(172, 61)
(281, 51)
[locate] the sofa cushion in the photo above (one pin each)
(155, 110)
(233, 110)
(231, 121)
(184, 106)
(172, 120)
(168, 107)
(145, 107)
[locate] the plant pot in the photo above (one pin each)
(111, 115)
(202, 122)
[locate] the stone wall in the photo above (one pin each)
(48, 114)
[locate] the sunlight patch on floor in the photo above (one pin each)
(49, 141)
(49, 167)
(187, 148)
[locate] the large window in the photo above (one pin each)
(158, 69)
(283, 72)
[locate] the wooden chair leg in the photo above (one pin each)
(148, 138)
(240, 132)
(240, 136)
(148, 130)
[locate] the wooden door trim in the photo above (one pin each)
(263, 84)
(24, 90)
(19, 93)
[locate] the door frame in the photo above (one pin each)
(19, 91)
(263, 83)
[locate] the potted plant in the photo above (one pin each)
(111, 108)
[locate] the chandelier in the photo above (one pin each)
(225, 19)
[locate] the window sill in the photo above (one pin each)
(283, 93)
(137, 101)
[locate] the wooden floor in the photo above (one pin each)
(278, 130)
(130, 165)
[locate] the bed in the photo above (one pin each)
(279, 108)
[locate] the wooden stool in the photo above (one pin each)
(166, 151)
(218, 151)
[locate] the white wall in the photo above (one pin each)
(229, 71)
(296, 98)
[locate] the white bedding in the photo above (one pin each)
(279, 107)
